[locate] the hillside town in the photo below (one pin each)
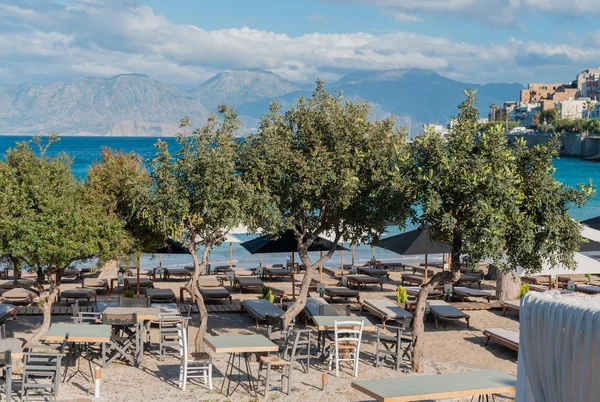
(542, 104)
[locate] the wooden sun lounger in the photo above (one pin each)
(504, 336)
(131, 282)
(437, 386)
(463, 292)
(259, 308)
(366, 280)
(161, 295)
(394, 265)
(248, 283)
(341, 292)
(277, 273)
(588, 289)
(412, 279)
(468, 280)
(385, 309)
(218, 293)
(375, 272)
(177, 272)
(512, 305)
(444, 311)
(333, 272)
(578, 279)
(413, 291)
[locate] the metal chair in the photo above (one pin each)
(397, 346)
(347, 339)
(41, 370)
(6, 377)
(297, 348)
(126, 339)
(193, 365)
(134, 301)
(82, 317)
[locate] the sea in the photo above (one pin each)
(86, 150)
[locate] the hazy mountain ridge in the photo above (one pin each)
(134, 104)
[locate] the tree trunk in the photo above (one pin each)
(109, 269)
(418, 355)
(194, 288)
(507, 285)
(300, 302)
(45, 304)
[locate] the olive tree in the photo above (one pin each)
(120, 182)
(325, 167)
(484, 198)
(47, 222)
(198, 195)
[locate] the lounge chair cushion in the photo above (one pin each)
(77, 293)
(313, 306)
(249, 281)
(278, 272)
(333, 271)
(388, 308)
(340, 291)
(373, 271)
(21, 283)
(144, 282)
(413, 278)
(589, 289)
(177, 271)
(443, 309)
(366, 279)
(414, 291)
(504, 333)
(95, 283)
(19, 295)
(514, 304)
(260, 308)
(160, 294)
(215, 293)
(471, 292)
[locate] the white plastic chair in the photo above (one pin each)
(346, 338)
(193, 365)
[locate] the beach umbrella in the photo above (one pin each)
(590, 233)
(231, 239)
(285, 243)
(584, 265)
(414, 242)
(593, 223)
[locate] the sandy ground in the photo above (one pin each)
(451, 348)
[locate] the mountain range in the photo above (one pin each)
(135, 104)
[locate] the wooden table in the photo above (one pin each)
(143, 313)
(239, 346)
(435, 387)
(327, 323)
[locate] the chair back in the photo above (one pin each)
(334, 311)
(274, 323)
(298, 344)
(120, 319)
(134, 301)
(183, 343)
(349, 332)
(3, 331)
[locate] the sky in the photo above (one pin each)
(185, 42)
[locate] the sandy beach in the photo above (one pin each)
(451, 348)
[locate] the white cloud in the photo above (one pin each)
(404, 17)
(89, 38)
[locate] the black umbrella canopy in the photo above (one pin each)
(286, 243)
(594, 223)
(173, 247)
(414, 242)
(589, 246)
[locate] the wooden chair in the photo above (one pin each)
(193, 365)
(41, 370)
(397, 345)
(168, 332)
(6, 377)
(347, 340)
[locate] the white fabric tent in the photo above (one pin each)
(585, 265)
(591, 234)
(558, 348)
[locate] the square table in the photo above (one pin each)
(239, 345)
(438, 386)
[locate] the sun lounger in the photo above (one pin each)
(95, 284)
(365, 280)
(160, 295)
(578, 279)
(341, 292)
(588, 289)
(544, 288)
(375, 272)
(19, 283)
(132, 283)
(177, 273)
(444, 311)
(420, 269)
(334, 272)
(248, 283)
(463, 292)
(260, 308)
(504, 336)
(413, 291)
(19, 296)
(393, 266)
(223, 268)
(218, 293)
(77, 294)
(313, 306)
(275, 272)
(6, 311)
(512, 305)
(412, 279)
(536, 280)
(385, 309)
(71, 273)
(468, 280)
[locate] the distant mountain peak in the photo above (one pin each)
(387, 75)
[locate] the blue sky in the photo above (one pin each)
(184, 42)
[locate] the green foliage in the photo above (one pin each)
(121, 183)
(401, 295)
(488, 199)
(324, 167)
(267, 294)
(46, 219)
(505, 125)
(523, 290)
(548, 116)
(128, 293)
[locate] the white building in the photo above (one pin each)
(523, 113)
(571, 109)
(588, 83)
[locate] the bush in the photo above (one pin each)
(267, 294)
(523, 291)
(128, 293)
(401, 295)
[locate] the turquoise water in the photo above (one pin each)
(86, 150)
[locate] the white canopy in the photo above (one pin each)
(591, 234)
(585, 265)
(229, 238)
